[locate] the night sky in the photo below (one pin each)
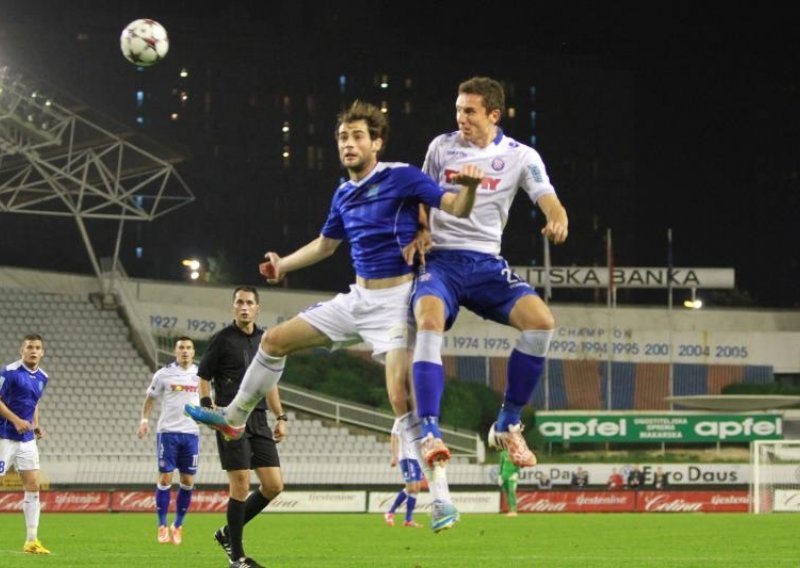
(715, 90)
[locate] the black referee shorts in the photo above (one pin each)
(255, 449)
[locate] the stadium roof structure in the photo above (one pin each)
(59, 157)
(735, 402)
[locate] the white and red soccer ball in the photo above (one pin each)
(144, 42)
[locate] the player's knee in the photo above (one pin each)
(534, 342)
(429, 317)
(272, 489)
(272, 343)
(430, 323)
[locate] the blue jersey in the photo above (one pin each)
(20, 391)
(379, 215)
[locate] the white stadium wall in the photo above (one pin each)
(641, 335)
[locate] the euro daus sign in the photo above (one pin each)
(657, 428)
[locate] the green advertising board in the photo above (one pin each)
(649, 428)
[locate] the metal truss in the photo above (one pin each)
(64, 159)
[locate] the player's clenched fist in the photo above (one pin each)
(270, 269)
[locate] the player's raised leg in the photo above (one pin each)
(525, 368)
(429, 387)
(261, 376)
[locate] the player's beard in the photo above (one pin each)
(357, 168)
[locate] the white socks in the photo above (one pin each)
(437, 483)
(260, 378)
(30, 506)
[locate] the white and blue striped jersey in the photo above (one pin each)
(176, 387)
(379, 215)
(20, 391)
(508, 166)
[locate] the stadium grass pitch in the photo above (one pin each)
(662, 540)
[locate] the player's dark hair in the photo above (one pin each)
(33, 337)
(491, 90)
(184, 338)
(377, 123)
(246, 289)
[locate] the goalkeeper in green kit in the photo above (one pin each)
(507, 478)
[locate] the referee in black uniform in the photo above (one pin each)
(223, 365)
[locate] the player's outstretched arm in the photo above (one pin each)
(460, 204)
(275, 268)
(556, 228)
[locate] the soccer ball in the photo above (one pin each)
(144, 42)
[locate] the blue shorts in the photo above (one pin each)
(482, 283)
(412, 472)
(177, 451)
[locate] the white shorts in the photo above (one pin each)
(377, 317)
(24, 456)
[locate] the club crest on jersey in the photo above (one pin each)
(373, 190)
(498, 164)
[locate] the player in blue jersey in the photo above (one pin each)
(22, 384)
(177, 436)
(376, 210)
(464, 266)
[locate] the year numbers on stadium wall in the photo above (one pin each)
(468, 342)
(720, 351)
(204, 326)
(163, 322)
(731, 352)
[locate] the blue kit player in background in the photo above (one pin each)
(177, 436)
(464, 266)
(22, 384)
(376, 210)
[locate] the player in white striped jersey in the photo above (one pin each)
(403, 448)
(177, 436)
(463, 267)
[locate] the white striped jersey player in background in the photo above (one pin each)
(177, 436)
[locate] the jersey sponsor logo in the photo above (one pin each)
(456, 154)
(487, 183)
(536, 173)
(186, 388)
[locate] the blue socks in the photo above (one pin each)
(523, 375)
(428, 388)
(182, 503)
(162, 503)
(401, 496)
